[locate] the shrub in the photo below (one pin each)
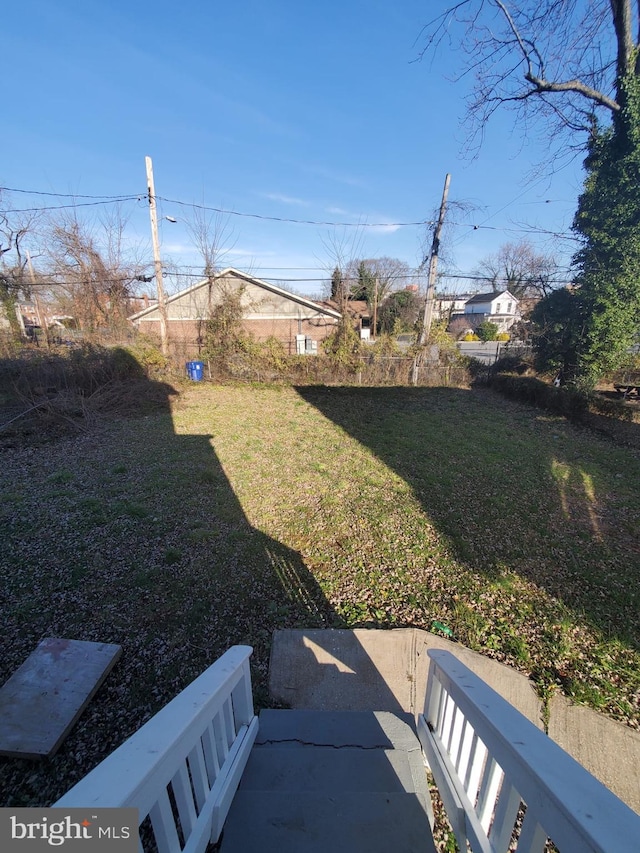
(149, 355)
(384, 346)
(343, 345)
(487, 331)
(512, 364)
(565, 401)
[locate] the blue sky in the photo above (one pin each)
(296, 110)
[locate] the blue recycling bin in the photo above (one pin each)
(195, 370)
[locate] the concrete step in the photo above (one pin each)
(361, 729)
(340, 781)
(312, 822)
(328, 769)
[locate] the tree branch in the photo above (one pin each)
(565, 55)
(577, 86)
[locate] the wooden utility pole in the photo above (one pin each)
(162, 301)
(375, 307)
(42, 320)
(433, 267)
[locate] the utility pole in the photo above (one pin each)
(433, 267)
(42, 320)
(375, 308)
(162, 302)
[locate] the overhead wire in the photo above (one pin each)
(359, 224)
(97, 200)
(69, 195)
(65, 206)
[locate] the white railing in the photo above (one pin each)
(182, 768)
(504, 784)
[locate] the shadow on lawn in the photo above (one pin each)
(134, 536)
(506, 487)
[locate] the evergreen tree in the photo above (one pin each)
(364, 286)
(337, 285)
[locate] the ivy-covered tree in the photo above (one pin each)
(225, 335)
(343, 344)
(576, 67)
(608, 221)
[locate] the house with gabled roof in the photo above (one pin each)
(300, 324)
(499, 306)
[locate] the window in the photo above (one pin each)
(498, 307)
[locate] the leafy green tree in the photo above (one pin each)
(556, 322)
(399, 312)
(487, 331)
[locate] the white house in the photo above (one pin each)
(449, 305)
(500, 307)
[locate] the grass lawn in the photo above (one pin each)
(239, 510)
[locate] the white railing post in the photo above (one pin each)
(242, 697)
(491, 764)
(194, 749)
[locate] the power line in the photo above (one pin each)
(322, 278)
(498, 279)
(97, 200)
(69, 195)
(295, 221)
(68, 206)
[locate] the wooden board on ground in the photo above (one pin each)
(42, 700)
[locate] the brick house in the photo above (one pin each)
(269, 311)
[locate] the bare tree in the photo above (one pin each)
(213, 238)
(518, 268)
(15, 231)
(94, 275)
(341, 246)
(564, 60)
